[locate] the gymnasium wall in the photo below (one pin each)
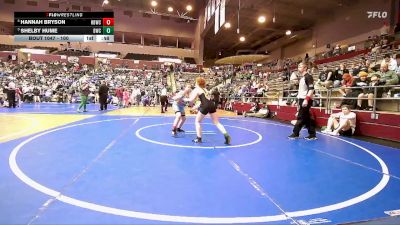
(351, 25)
(198, 40)
(351, 22)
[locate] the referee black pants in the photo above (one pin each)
(164, 103)
(11, 98)
(304, 119)
(103, 102)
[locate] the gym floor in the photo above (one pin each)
(124, 167)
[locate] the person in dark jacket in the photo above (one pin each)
(11, 92)
(103, 94)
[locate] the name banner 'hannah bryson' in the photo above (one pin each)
(57, 22)
(64, 26)
(60, 15)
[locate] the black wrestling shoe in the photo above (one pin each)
(293, 136)
(197, 140)
(180, 130)
(311, 138)
(174, 133)
(227, 140)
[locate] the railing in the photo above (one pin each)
(328, 99)
(325, 97)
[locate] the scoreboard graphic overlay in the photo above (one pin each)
(64, 26)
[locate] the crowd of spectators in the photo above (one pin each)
(60, 82)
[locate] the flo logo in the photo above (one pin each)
(377, 14)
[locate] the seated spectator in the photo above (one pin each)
(365, 65)
(385, 43)
(325, 79)
(261, 90)
(342, 123)
(261, 113)
(362, 81)
(336, 50)
(397, 70)
(369, 92)
(146, 100)
(392, 63)
(389, 77)
(348, 81)
(255, 107)
(376, 48)
(48, 95)
(338, 74)
(369, 43)
(354, 70)
(293, 87)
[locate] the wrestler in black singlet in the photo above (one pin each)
(206, 106)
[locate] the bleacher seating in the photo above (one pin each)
(146, 57)
(189, 60)
(10, 48)
(50, 49)
(73, 53)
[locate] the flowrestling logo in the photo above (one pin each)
(377, 14)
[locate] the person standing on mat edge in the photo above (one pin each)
(164, 99)
(304, 96)
(207, 106)
(103, 95)
(179, 108)
(11, 92)
(84, 96)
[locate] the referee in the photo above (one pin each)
(305, 94)
(164, 99)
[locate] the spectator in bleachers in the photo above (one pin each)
(307, 58)
(369, 43)
(388, 76)
(385, 43)
(365, 65)
(260, 113)
(397, 70)
(354, 70)
(347, 93)
(293, 87)
(336, 50)
(376, 48)
(342, 123)
(325, 79)
(369, 92)
(362, 81)
(385, 29)
(261, 90)
(338, 75)
(48, 95)
(392, 63)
